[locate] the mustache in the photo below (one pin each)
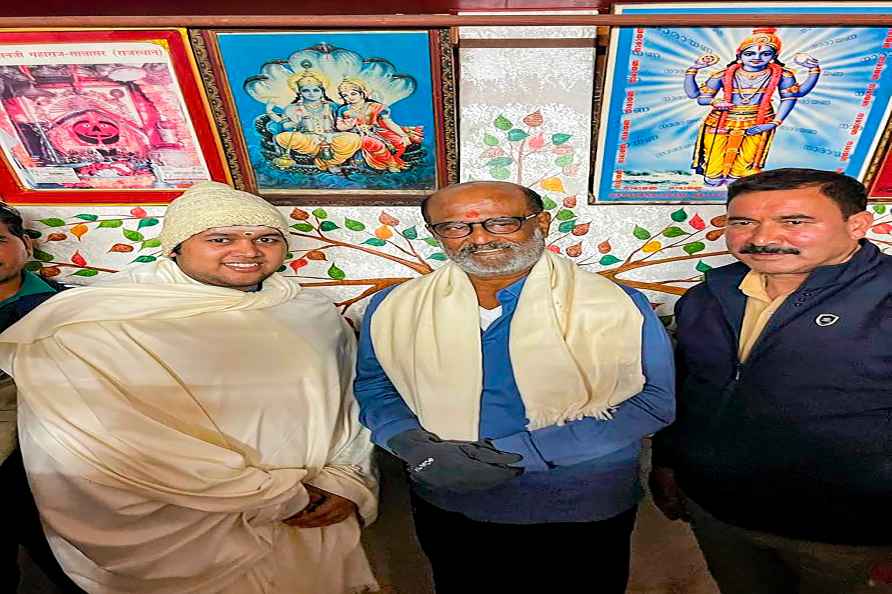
(767, 249)
(492, 245)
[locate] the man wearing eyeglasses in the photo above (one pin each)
(516, 388)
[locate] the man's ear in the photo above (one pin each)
(29, 244)
(859, 224)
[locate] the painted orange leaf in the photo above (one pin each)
(581, 229)
(387, 219)
(719, 221)
(299, 215)
(79, 230)
(138, 212)
(48, 271)
(651, 246)
(78, 259)
(575, 250)
(571, 170)
(384, 232)
(534, 119)
(604, 247)
(315, 255)
(552, 184)
(570, 201)
(562, 150)
(715, 234)
(492, 153)
(537, 141)
(121, 247)
(297, 264)
(697, 223)
(56, 237)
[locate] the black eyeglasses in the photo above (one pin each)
(495, 225)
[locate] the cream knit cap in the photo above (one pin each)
(209, 204)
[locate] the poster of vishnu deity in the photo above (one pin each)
(333, 112)
(87, 113)
(689, 110)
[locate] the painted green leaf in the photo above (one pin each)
(42, 256)
(328, 226)
(282, 268)
(679, 215)
(353, 225)
(305, 227)
(86, 272)
(548, 203)
(132, 235)
(567, 226)
(560, 138)
(500, 173)
(53, 222)
(703, 266)
(608, 260)
(87, 217)
(112, 223)
(500, 162)
(144, 259)
(565, 215)
(375, 242)
(151, 243)
(564, 161)
(336, 273)
(516, 134)
(147, 222)
(33, 266)
(33, 233)
(490, 140)
(693, 248)
(320, 213)
(503, 123)
(410, 233)
(879, 208)
(674, 232)
(431, 242)
(641, 233)
(440, 256)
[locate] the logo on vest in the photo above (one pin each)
(826, 319)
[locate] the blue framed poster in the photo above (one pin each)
(688, 110)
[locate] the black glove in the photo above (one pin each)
(457, 465)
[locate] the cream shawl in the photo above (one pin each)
(575, 347)
(169, 426)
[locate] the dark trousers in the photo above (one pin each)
(471, 557)
(22, 527)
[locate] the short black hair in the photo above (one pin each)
(12, 218)
(849, 194)
(534, 201)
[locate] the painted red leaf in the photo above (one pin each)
(78, 259)
(138, 212)
(575, 250)
(882, 228)
(604, 247)
(697, 223)
(581, 229)
(297, 264)
(554, 249)
(570, 202)
(537, 141)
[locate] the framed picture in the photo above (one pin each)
(688, 110)
(102, 116)
(334, 117)
(881, 182)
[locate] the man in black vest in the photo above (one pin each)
(20, 292)
(781, 455)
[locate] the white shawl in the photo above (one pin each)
(169, 426)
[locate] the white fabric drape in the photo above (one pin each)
(169, 426)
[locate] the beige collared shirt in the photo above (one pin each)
(759, 309)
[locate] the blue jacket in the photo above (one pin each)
(585, 470)
(797, 440)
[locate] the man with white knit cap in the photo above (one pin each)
(187, 425)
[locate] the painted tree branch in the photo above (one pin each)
(419, 267)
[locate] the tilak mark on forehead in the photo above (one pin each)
(472, 214)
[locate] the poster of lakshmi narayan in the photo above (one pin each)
(689, 110)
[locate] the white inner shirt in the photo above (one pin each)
(488, 316)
